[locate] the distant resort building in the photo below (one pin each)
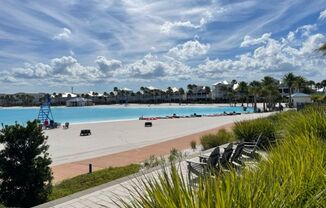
(217, 93)
(79, 102)
(300, 99)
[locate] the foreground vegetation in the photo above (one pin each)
(25, 175)
(292, 176)
(86, 181)
(213, 140)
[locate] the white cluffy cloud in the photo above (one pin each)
(264, 55)
(63, 35)
(189, 49)
(249, 41)
(275, 57)
(322, 15)
(168, 26)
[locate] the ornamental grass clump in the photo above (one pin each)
(213, 140)
(249, 131)
(293, 175)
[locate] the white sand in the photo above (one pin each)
(112, 137)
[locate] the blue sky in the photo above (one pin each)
(95, 45)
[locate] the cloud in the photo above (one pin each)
(273, 57)
(64, 35)
(249, 41)
(322, 15)
(151, 68)
(168, 26)
(306, 30)
(205, 17)
(189, 49)
(108, 66)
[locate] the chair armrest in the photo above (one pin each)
(248, 143)
(249, 146)
(203, 158)
(196, 163)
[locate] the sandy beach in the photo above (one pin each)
(66, 145)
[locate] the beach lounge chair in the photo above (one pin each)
(214, 163)
(251, 147)
(85, 132)
(148, 124)
(66, 126)
(235, 159)
(224, 161)
(201, 168)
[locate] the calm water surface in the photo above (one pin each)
(107, 113)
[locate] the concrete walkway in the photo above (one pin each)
(105, 195)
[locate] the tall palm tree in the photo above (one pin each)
(300, 83)
(270, 91)
(181, 92)
(289, 80)
(207, 92)
(323, 84)
(254, 90)
(169, 92)
(318, 85)
(242, 90)
(224, 90)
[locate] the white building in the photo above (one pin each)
(217, 93)
(78, 102)
(300, 98)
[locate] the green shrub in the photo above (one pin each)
(82, 182)
(213, 140)
(175, 155)
(249, 131)
(152, 161)
(309, 122)
(293, 175)
(193, 145)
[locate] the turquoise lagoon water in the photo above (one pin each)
(106, 113)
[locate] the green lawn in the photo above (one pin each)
(86, 181)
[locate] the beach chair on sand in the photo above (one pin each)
(251, 147)
(66, 126)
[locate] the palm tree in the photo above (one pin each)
(207, 92)
(289, 80)
(225, 89)
(255, 90)
(181, 92)
(323, 84)
(300, 83)
(270, 91)
(242, 90)
(169, 92)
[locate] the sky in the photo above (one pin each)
(51, 46)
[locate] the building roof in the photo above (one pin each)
(222, 82)
(66, 94)
(299, 94)
(79, 99)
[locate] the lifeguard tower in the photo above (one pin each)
(45, 114)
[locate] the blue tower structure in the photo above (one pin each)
(45, 113)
